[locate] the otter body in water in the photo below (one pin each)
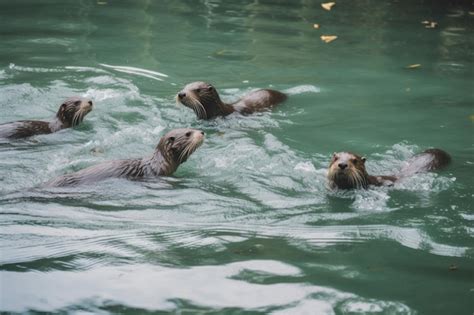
(70, 114)
(173, 149)
(204, 100)
(347, 170)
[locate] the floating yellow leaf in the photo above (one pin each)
(471, 118)
(429, 24)
(328, 38)
(328, 5)
(316, 26)
(413, 66)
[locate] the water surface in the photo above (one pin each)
(247, 225)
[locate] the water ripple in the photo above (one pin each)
(162, 288)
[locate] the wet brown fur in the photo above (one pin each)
(347, 170)
(204, 100)
(70, 114)
(173, 149)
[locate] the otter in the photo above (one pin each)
(173, 149)
(70, 114)
(204, 100)
(347, 170)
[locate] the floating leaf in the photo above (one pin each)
(413, 66)
(328, 5)
(316, 26)
(471, 118)
(328, 38)
(431, 25)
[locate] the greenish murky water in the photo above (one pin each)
(247, 225)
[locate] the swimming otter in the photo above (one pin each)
(70, 114)
(174, 148)
(347, 170)
(204, 100)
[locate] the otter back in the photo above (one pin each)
(429, 160)
(24, 129)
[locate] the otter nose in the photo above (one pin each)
(342, 165)
(202, 133)
(181, 94)
(90, 103)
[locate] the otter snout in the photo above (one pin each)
(342, 166)
(199, 135)
(87, 105)
(181, 95)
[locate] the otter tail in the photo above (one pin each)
(428, 160)
(277, 97)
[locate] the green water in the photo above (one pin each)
(247, 225)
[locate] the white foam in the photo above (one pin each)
(137, 71)
(85, 69)
(300, 89)
(33, 69)
(305, 167)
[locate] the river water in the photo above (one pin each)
(247, 225)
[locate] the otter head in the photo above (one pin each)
(177, 145)
(202, 98)
(72, 111)
(347, 171)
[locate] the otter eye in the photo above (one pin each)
(188, 134)
(210, 88)
(198, 90)
(354, 161)
(171, 139)
(77, 103)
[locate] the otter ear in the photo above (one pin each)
(62, 109)
(363, 159)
